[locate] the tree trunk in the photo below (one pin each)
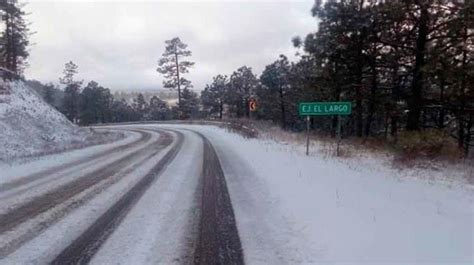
(373, 91)
(415, 103)
(358, 110)
(442, 113)
(178, 81)
(246, 108)
(337, 96)
(395, 91)
(462, 95)
(221, 109)
(468, 135)
(282, 108)
(462, 92)
(8, 42)
(460, 131)
(358, 107)
(359, 78)
(393, 126)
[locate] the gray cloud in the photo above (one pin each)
(118, 43)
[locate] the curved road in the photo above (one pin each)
(158, 196)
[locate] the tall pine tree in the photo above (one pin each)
(173, 65)
(15, 38)
(71, 100)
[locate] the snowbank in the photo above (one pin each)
(29, 126)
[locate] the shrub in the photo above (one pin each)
(426, 144)
(243, 128)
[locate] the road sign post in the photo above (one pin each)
(307, 135)
(324, 109)
(339, 138)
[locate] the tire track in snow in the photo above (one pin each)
(144, 137)
(82, 249)
(52, 198)
(218, 237)
(39, 186)
(13, 239)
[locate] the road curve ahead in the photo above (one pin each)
(157, 196)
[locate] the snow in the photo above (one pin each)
(36, 187)
(159, 229)
(293, 209)
(290, 208)
(30, 126)
(19, 169)
(48, 244)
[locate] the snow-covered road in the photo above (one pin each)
(181, 194)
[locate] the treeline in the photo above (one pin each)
(129, 95)
(407, 65)
(95, 104)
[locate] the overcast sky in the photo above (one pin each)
(118, 43)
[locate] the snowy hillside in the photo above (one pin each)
(29, 126)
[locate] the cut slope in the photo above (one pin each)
(29, 126)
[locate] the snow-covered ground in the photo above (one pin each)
(160, 228)
(18, 169)
(45, 246)
(293, 209)
(29, 126)
(289, 208)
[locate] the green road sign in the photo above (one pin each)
(325, 108)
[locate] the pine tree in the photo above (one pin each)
(158, 110)
(140, 106)
(242, 86)
(189, 104)
(49, 94)
(71, 100)
(89, 112)
(96, 104)
(275, 83)
(173, 65)
(14, 50)
(213, 96)
(121, 111)
(70, 70)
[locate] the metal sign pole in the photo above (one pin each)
(338, 134)
(339, 108)
(307, 135)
